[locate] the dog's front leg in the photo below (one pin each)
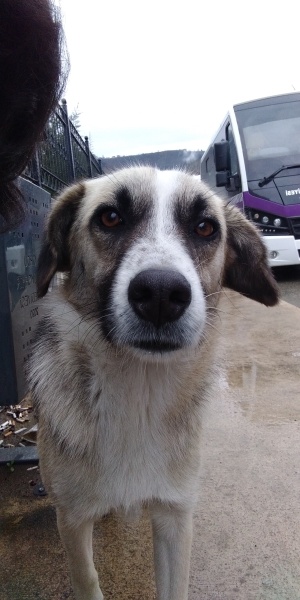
(172, 539)
(78, 542)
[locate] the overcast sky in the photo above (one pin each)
(152, 75)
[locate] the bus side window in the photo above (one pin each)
(234, 164)
(207, 165)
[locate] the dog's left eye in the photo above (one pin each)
(110, 218)
(205, 229)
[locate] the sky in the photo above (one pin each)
(160, 75)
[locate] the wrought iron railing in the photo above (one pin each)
(63, 157)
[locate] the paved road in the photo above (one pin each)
(289, 283)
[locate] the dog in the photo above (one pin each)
(124, 358)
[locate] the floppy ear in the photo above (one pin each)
(54, 254)
(246, 268)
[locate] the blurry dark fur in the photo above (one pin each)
(33, 68)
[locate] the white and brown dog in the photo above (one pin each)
(125, 356)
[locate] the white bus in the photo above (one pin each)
(255, 157)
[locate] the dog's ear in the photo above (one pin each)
(246, 268)
(54, 255)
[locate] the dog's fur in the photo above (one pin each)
(119, 391)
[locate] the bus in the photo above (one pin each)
(255, 158)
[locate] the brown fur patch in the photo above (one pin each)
(246, 269)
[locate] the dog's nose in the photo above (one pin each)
(159, 295)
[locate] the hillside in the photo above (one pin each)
(168, 159)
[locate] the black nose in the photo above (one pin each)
(159, 295)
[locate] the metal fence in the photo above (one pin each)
(63, 157)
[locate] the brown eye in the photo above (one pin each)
(110, 218)
(205, 229)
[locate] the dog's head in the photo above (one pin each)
(147, 253)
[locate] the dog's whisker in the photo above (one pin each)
(217, 293)
(72, 310)
(213, 326)
(236, 308)
(217, 310)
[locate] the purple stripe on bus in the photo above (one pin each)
(291, 210)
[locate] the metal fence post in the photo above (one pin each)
(69, 141)
(86, 139)
(38, 167)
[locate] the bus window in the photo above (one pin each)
(234, 164)
(269, 136)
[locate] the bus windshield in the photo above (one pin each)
(270, 137)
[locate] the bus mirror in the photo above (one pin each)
(222, 178)
(221, 155)
(233, 183)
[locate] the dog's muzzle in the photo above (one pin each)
(159, 296)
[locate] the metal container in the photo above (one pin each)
(20, 311)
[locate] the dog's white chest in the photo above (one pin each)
(136, 456)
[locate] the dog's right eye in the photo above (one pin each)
(110, 218)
